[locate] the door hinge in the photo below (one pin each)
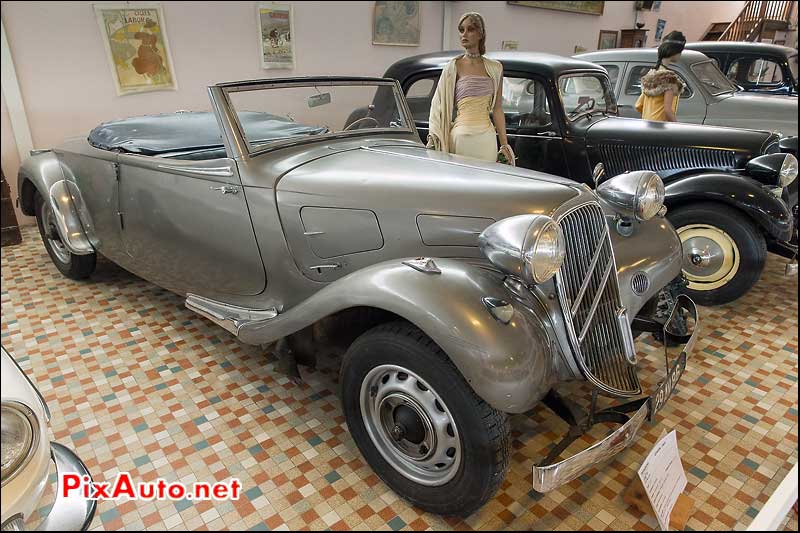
(116, 171)
(121, 220)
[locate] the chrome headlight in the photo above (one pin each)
(775, 170)
(639, 193)
(788, 171)
(531, 247)
(20, 437)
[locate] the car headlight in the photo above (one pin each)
(776, 170)
(531, 247)
(639, 193)
(788, 171)
(20, 437)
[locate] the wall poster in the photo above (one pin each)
(137, 47)
(396, 23)
(275, 32)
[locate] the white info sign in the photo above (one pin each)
(663, 477)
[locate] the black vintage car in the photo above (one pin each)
(730, 192)
(758, 67)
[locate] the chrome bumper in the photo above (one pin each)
(74, 513)
(552, 476)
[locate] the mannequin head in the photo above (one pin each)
(472, 33)
(669, 51)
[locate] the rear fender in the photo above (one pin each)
(769, 212)
(511, 366)
(43, 173)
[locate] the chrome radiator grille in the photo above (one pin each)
(589, 294)
(619, 158)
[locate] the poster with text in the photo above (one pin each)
(137, 48)
(275, 36)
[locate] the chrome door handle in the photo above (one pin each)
(327, 266)
(547, 134)
(225, 189)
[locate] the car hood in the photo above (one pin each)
(407, 176)
(753, 110)
(647, 132)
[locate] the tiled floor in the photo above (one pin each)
(138, 383)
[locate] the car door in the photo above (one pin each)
(419, 92)
(533, 131)
(692, 105)
(186, 224)
(758, 72)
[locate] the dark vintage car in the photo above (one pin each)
(757, 67)
(729, 192)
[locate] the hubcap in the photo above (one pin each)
(410, 425)
(52, 235)
(711, 257)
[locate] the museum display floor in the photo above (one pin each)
(138, 383)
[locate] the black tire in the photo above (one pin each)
(73, 266)
(748, 240)
(483, 432)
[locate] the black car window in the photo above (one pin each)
(613, 73)
(525, 103)
(634, 84)
(419, 95)
(755, 71)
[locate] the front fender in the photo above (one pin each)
(741, 192)
(43, 172)
(511, 366)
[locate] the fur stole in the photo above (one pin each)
(657, 82)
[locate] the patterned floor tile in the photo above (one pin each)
(138, 383)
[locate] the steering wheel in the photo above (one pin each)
(580, 106)
(350, 126)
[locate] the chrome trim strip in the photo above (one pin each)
(588, 277)
(601, 289)
(230, 317)
(219, 172)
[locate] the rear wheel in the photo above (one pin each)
(723, 252)
(71, 265)
(418, 423)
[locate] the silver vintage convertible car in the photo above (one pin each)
(472, 290)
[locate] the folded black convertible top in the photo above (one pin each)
(188, 130)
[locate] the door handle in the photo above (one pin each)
(329, 266)
(226, 189)
(547, 134)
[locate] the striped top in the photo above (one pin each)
(474, 86)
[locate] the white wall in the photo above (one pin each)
(67, 86)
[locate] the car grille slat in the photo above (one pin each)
(589, 294)
(619, 158)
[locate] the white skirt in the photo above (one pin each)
(478, 145)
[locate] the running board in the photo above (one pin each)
(230, 317)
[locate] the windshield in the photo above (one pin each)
(793, 67)
(712, 78)
(585, 93)
(298, 109)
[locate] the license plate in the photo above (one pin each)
(665, 388)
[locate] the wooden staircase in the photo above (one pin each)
(758, 20)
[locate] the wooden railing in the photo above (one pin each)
(750, 22)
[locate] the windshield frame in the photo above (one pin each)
(733, 87)
(257, 85)
(604, 80)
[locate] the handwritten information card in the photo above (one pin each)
(663, 477)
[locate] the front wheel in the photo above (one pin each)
(723, 252)
(418, 423)
(71, 265)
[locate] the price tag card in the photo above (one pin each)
(663, 477)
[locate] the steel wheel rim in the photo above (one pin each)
(52, 235)
(410, 425)
(711, 258)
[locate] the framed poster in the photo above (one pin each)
(607, 39)
(275, 31)
(510, 45)
(396, 23)
(135, 39)
(660, 29)
(588, 7)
